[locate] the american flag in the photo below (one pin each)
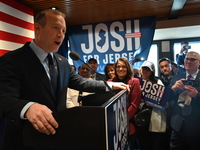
(16, 25)
(133, 35)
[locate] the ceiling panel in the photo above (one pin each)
(92, 11)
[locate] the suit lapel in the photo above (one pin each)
(198, 76)
(60, 71)
(36, 66)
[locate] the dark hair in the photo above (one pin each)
(184, 42)
(164, 59)
(152, 77)
(106, 69)
(92, 59)
(74, 67)
(41, 16)
(127, 63)
(173, 63)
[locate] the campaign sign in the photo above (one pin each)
(108, 41)
(154, 94)
(117, 123)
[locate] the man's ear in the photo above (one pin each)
(37, 27)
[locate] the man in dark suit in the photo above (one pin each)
(94, 65)
(185, 119)
(27, 95)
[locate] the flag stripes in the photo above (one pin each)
(133, 35)
(16, 25)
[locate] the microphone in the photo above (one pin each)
(75, 56)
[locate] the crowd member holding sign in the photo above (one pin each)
(124, 73)
(150, 136)
(28, 95)
(185, 119)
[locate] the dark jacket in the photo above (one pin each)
(190, 123)
(23, 79)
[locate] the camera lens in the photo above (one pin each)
(190, 83)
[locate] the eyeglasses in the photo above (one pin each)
(123, 67)
(191, 59)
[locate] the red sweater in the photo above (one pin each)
(134, 99)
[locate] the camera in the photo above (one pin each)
(186, 47)
(193, 83)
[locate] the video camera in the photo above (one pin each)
(186, 47)
(194, 83)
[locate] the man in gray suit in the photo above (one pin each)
(185, 101)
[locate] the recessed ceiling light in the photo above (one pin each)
(54, 8)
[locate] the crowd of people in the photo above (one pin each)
(26, 95)
(172, 128)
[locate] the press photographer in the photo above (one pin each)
(183, 52)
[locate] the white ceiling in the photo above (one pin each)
(188, 27)
(177, 33)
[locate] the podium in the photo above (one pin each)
(103, 127)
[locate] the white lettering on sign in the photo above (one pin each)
(121, 128)
(116, 42)
(152, 91)
(109, 58)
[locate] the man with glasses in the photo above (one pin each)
(185, 100)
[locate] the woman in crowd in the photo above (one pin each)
(151, 135)
(124, 73)
(109, 71)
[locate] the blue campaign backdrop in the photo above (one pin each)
(63, 50)
(107, 41)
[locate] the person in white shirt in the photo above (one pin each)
(73, 95)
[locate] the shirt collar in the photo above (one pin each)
(193, 75)
(41, 54)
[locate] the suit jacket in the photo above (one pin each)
(190, 123)
(100, 76)
(23, 79)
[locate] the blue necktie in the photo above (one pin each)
(52, 72)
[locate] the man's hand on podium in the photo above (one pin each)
(41, 118)
(120, 85)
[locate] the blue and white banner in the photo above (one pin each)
(117, 130)
(154, 94)
(107, 41)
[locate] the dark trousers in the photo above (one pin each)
(181, 141)
(132, 139)
(150, 140)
